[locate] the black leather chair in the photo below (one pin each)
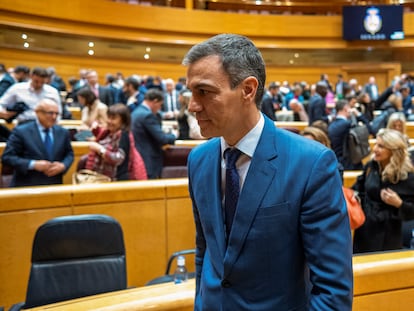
(407, 229)
(168, 276)
(6, 176)
(73, 257)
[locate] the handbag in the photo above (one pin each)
(355, 212)
(136, 165)
(86, 176)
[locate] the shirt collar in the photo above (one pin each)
(249, 142)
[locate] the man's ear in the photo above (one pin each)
(249, 88)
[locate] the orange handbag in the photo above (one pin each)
(355, 212)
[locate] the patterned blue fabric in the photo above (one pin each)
(232, 186)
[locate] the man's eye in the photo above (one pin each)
(203, 92)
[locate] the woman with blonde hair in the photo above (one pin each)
(398, 122)
(386, 190)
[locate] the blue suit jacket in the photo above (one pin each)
(291, 219)
(25, 144)
(149, 139)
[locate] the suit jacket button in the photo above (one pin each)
(225, 283)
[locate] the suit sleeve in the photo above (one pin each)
(13, 154)
(200, 240)
(152, 126)
(327, 238)
(68, 153)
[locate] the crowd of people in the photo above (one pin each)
(300, 188)
(148, 101)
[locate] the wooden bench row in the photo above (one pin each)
(81, 148)
(381, 282)
(156, 218)
(298, 125)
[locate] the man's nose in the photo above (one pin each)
(193, 105)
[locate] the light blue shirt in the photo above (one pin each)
(247, 145)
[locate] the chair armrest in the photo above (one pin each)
(16, 307)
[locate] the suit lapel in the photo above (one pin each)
(54, 145)
(262, 169)
(37, 139)
(213, 208)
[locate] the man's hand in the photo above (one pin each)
(4, 114)
(42, 165)
(54, 169)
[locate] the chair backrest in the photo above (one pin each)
(175, 162)
(6, 176)
(76, 256)
(407, 229)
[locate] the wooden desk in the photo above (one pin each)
(76, 112)
(350, 177)
(155, 215)
(155, 298)
(381, 282)
(65, 123)
(384, 281)
(299, 125)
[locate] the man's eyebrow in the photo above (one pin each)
(202, 85)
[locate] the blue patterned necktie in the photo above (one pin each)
(232, 187)
(48, 145)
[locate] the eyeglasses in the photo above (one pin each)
(50, 113)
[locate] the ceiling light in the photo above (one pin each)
(26, 44)
(91, 44)
(24, 36)
(148, 49)
(146, 56)
(91, 52)
(296, 55)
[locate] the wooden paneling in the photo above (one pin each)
(152, 215)
(381, 282)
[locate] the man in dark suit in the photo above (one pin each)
(338, 131)
(372, 89)
(171, 105)
(271, 101)
(19, 74)
(39, 151)
(148, 134)
(317, 104)
(290, 215)
(102, 92)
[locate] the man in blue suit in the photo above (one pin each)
(36, 162)
(289, 245)
(148, 134)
